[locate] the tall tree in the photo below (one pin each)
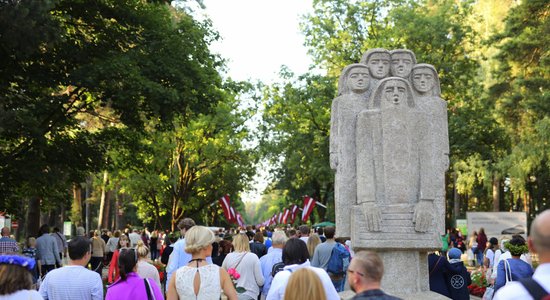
(521, 100)
(296, 123)
(61, 60)
(181, 172)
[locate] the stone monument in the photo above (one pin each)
(392, 153)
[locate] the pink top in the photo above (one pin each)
(132, 288)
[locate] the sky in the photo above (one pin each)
(257, 38)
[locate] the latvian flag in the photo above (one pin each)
(233, 214)
(293, 213)
(227, 209)
(309, 204)
(240, 220)
(285, 215)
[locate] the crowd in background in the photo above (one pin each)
(244, 263)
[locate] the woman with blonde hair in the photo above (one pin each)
(247, 265)
(144, 268)
(198, 279)
(304, 284)
(312, 242)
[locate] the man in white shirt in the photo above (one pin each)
(74, 281)
(304, 233)
(134, 237)
(538, 242)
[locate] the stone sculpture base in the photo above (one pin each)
(405, 271)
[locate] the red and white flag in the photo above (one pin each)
(293, 213)
(280, 218)
(233, 215)
(240, 220)
(285, 215)
(309, 204)
(226, 206)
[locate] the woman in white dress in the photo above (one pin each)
(198, 279)
(247, 265)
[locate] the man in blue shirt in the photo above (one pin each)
(7, 244)
(274, 256)
(179, 257)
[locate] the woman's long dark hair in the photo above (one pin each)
(295, 252)
(127, 260)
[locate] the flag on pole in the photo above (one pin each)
(293, 213)
(226, 206)
(285, 215)
(309, 204)
(233, 215)
(240, 220)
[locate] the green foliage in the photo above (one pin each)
(521, 97)
(66, 64)
(295, 131)
(180, 172)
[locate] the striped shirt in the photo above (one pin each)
(72, 282)
(8, 245)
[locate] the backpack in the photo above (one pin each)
(339, 260)
(277, 268)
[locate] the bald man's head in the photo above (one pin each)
(540, 233)
(5, 231)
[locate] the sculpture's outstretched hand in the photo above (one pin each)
(333, 161)
(372, 214)
(423, 215)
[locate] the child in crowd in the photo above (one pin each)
(458, 278)
(30, 251)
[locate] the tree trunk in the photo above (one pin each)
(107, 210)
(456, 198)
(496, 192)
(76, 209)
(117, 212)
(103, 196)
(33, 217)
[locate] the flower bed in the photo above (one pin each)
(479, 283)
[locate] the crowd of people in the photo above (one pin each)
(200, 263)
(501, 263)
(249, 263)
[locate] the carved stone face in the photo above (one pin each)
(395, 92)
(358, 79)
(401, 64)
(423, 80)
(379, 65)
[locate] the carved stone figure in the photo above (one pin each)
(378, 60)
(425, 81)
(402, 61)
(353, 86)
(391, 157)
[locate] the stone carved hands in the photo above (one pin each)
(372, 214)
(333, 161)
(423, 215)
